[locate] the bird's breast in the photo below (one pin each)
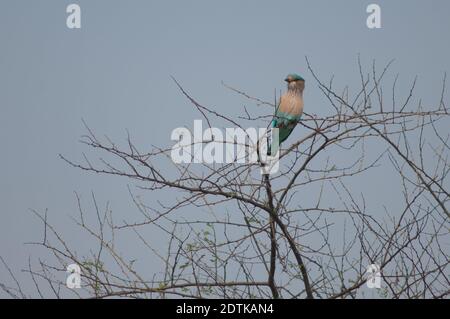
(291, 104)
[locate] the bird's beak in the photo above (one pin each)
(287, 80)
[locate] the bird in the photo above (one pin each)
(288, 112)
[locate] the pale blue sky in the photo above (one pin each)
(115, 73)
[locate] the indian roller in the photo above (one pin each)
(288, 112)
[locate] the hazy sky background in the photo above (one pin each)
(115, 74)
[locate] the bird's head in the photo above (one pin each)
(295, 82)
(293, 77)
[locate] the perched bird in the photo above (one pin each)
(288, 112)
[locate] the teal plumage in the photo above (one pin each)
(288, 112)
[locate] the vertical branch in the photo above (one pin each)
(273, 243)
